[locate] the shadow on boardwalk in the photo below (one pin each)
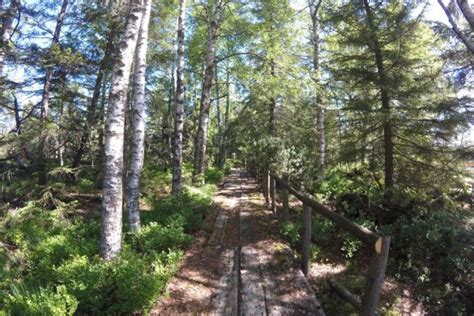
(238, 264)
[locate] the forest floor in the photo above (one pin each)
(238, 263)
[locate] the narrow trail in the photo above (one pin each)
(239, 265)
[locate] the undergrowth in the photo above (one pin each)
(50, 262)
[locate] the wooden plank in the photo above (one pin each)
(345, 294)
(306, 239)
(286, 204)
(273, 195)
(375, 278)
(252, 292)
(226, 299)
(219, 230)
(358, 231)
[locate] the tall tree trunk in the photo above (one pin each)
(314, 7)
(218, 117)
(222, 147)
(466, 10)
(101, 127)
(45, 98)
(179, 104)
(272, 105)
(112, 195)
(138, 123)
(91, 111)
(374, 45)
(6, 32)
(201, 139)
(17, 115)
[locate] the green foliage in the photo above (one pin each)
(213, 175)
(188, 208)
(435, 250)
(344, 178)
(291, 231)
(85, 185)
(54, 267)
(155, 237)
(40, 301)
(323, 229)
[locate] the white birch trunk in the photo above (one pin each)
(201, 139)
(112, 198)
(138, 123)
(179, 104)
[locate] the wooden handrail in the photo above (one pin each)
(362, 233)
(380, 244)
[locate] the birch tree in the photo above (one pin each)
(201, 138)
(179, 103)
(112, 195)
(138, 122)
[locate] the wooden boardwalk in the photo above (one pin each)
(250, 270)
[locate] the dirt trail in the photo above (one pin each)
(240, 266)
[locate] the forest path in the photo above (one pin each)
(240, 266)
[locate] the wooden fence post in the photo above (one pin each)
(265, 183)
(375, 277)
(273, 194)
(286, 204)
(306, 238)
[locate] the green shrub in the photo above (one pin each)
(40, 301)
(85, 185)
(345, 178)
(56, 268)
(436, 251)
(189, 207)
(228, 164)
(155, 237)
(213, 175)
(291, 232)
(322, 229)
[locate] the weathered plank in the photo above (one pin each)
(252, 293)
(225, 301)
(219, 230)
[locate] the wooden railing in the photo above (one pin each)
(378, 243)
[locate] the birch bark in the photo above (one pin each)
(112, 195)
(179, 104)
(201, 139)
(138, 123)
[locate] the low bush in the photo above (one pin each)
(434, 251)
(50, 264)
(213, 175)
(25, 300)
